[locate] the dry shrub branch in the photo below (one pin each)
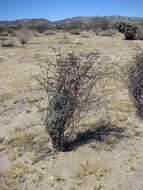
(68, 82)
(136, 81)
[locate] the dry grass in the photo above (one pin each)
(15, 173)
(87, 169)
(25, 141)
(5, 97)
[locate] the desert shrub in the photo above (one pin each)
(84, 34)
(99, 22)
(4, 34)
(65, 39)
(68, 82)
(108, 33)
(121, 27)
(140, 34)
(6, 42)
(130, 32)
(42, 28)
(136, 82)
(50, 32)
(74, 32)
(23, 36)
(98, 31)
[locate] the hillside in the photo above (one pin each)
(81, 19)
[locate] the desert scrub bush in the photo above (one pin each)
(99, 22)
(136, 81)
(130, 32)
(23, 36)
(50, 32)
(6, 42)
(108, 33)
(68, 82)
(121, 26)
(140, 34)
(84, 34)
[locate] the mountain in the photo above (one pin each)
(27, 22)
(111, 19)
(81, 19)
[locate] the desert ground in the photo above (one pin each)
(111, 159)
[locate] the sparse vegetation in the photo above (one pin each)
(15, 173)
(110, 130)
(87, 169)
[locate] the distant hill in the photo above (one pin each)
(27, 22)
(82, 19)
(111, 19)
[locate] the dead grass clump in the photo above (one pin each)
(68, 83)
(65, 39)
(20, 139)
(27, 141)
(5, 97)
(88, 169)
(136, 82)
(15, 173)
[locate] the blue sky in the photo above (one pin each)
(60, 9)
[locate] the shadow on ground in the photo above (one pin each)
(86, 137)
(90, 135)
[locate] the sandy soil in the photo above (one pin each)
(109, 161)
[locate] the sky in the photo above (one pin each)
(61, 9)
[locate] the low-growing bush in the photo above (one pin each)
(50, 32)
(84, 34)
(108, 33)
(99, 22)
(122, 26)
(75, 32)
(5, 42)
(68, 82)
(24, 36)
(130, 32)
(140, 34)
